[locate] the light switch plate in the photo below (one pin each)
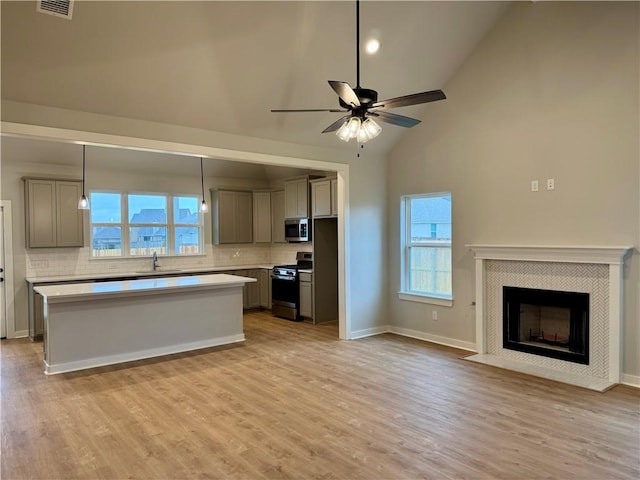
(534, 185)
(551, 184)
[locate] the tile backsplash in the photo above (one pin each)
(47, 262)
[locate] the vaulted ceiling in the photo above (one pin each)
(222, 66)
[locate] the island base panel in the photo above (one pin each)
(81, 335)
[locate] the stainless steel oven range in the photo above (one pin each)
(285, 287)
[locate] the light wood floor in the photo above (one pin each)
(294, 402)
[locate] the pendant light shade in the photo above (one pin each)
(204, 208)
(83, 203)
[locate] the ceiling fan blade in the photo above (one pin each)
(395, 119)
(415, 99)
(345, 92)
(310, 110)
(336, 125)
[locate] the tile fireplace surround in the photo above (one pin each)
(593, 270)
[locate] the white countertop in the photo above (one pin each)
(158, 273)
(87, 291)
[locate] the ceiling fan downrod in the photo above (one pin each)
(357, 44)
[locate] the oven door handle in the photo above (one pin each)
(286, 279)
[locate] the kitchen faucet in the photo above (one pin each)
(154, 258)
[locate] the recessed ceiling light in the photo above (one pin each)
(372, 46)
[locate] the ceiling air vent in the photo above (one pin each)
(57, 8)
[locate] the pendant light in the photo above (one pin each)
(83, 204)
(204, 208)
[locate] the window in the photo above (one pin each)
(153, 222)
(426, 239)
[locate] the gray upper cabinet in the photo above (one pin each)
(296, 198)
(232, 215)
(262, 217)
(324, 198)
(277, 217)
(52, 215)
(334, 197)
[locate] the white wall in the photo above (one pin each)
(551, 92)
(366, 207)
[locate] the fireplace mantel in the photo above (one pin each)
(611, 256)
(550, 253)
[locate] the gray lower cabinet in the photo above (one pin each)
(232, 216)
(265, 288)
(306, 295)
(52, 215)
(252, 292)
(38, 305)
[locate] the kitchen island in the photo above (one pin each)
(89, 325)
(35, 316)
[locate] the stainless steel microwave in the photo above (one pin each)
(297, 230)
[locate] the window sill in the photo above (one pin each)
(415, 297)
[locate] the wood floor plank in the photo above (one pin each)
(293, 402)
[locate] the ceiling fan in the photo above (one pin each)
(361, 105)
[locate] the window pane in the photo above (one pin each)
(144, 241)
(106, 241)
(430, 270)
(105, 207)
(147, 209)
(187, 241)
(430, 219)
(185, 210)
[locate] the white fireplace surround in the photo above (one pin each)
(539, 267)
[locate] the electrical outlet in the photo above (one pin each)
(551, 184)
(534, 185)
(434, 315)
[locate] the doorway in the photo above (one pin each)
(7, 320)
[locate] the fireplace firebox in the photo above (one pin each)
(547, 322)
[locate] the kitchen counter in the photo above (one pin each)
(160, 272)
(87, 325)
(70, 292)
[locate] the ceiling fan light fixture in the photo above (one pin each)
(349, 129)
(353, 126)
(368, 130)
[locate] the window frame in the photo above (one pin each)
(125, 225)
(406, 244)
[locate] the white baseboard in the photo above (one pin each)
(20, 334)
(406, 332)
(449, 342)
(139, 355)
(368, 332)
(631, 380)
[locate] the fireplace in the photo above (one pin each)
(550, 323)
(590, 358)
